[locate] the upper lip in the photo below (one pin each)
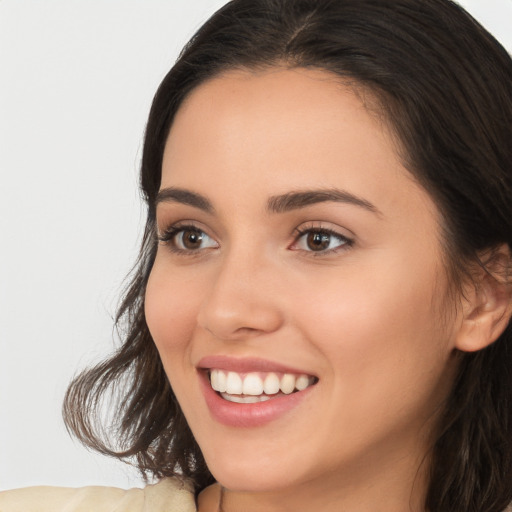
(246, 365)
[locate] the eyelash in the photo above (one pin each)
(168, 237)
(345, 244)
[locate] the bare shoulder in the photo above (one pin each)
(168, 495)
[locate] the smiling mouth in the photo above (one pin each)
(256, 387)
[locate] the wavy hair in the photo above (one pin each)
(444, 85)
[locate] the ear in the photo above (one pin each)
(487, 301)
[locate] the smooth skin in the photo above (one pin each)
(352, 290)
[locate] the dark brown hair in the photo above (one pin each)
(444, 84)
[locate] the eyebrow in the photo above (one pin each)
(179, 195)
(302, 199)
(276, 204)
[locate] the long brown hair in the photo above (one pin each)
(444, 84)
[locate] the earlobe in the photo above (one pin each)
(487, 302)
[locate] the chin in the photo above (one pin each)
(255, 472)
(252, 479)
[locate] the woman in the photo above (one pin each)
(319, 316)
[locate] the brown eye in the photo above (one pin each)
(318, 241)
(189, 239)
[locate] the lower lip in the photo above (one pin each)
(249, 415)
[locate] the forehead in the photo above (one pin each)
(284, 102)
(281, 129)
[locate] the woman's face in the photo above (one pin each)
(297, 253)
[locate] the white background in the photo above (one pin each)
(76, 81)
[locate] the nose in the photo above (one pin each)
(242, 299)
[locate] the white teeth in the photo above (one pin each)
(253, 385)
(256, 387)
(218, 380)
(245, 399)
(271, 384)
(287, 383)
(302, 382)
(234, 384)
(222, 381)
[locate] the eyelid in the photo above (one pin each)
(164, 228)
(321, 227)
(168, 235)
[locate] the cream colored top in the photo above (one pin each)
(168, 495)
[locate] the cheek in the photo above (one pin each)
(382, 337)
(364, 306)
(171, 306)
